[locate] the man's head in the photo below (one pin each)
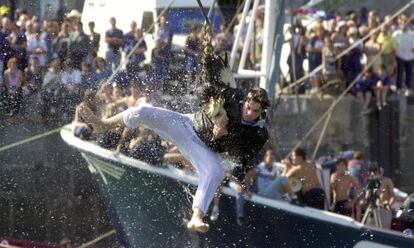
(133, 26)
(341, 165)
(255, 104)
(269, 157)
(91, 25)
(298, 156)
(112, 21)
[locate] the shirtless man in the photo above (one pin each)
(313, 194)
(341, 185)
(385, 196)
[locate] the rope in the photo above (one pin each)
(331, 108)
(35, 137)
(94, 241)
(322, 135)
(373, 31)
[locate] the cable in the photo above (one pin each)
(35, 137)
(331, 108)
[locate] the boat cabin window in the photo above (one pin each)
(147, 21)
(181, 19)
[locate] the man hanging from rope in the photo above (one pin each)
(227, 122)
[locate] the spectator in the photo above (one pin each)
(223, 41)
(18, 43)
(363, 17)
(385, 198)
(388, 47)
(95, 39)
(13, 79)
(49, 34)
(314, 49)
(114, 37)
(365, 88)
(28, 28)
(4, 51)
(357, 167)
(270, 181)
(382, 87)
(51, 90)
(53, 74)
(71, 81)
(78, 48)
(373, 19)
(342, 185)
(312, 192)
(404, 54)
(32, 77)
(340, 41)
(37, 48)
(61, 42)
(88, 77)
(296, 60)
(192, 49)
(159, 60)
(130, 41)
(164, 35)
(371, 49)
(129, 38)
(257, 46)
(102, 71)
(6, 25)
(329, 71)
(352, 63)
(147, 147)
(80, 127)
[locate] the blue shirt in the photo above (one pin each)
(116, 33)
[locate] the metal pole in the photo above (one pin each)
(239, 32)
(274, 70)
(247, 39)
(269, 30)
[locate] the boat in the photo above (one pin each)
(150, 205)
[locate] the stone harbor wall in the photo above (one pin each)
(385, 137)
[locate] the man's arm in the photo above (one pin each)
(101, 124)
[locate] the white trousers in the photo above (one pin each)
(178, 129)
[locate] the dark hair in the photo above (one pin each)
(300, 152)
(259, 95)
(358, 155)
(341, 161)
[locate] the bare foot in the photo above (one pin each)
(196, 223)
(197, 226)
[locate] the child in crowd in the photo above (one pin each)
(382, 87)
(365, 87)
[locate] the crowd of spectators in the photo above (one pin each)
(46, 66)
(330, 34)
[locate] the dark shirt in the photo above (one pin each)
(4, 46)
(129, 43)
(78, 46)
(94, 38)
(366, 84)
(243, 141)
(116, 33)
